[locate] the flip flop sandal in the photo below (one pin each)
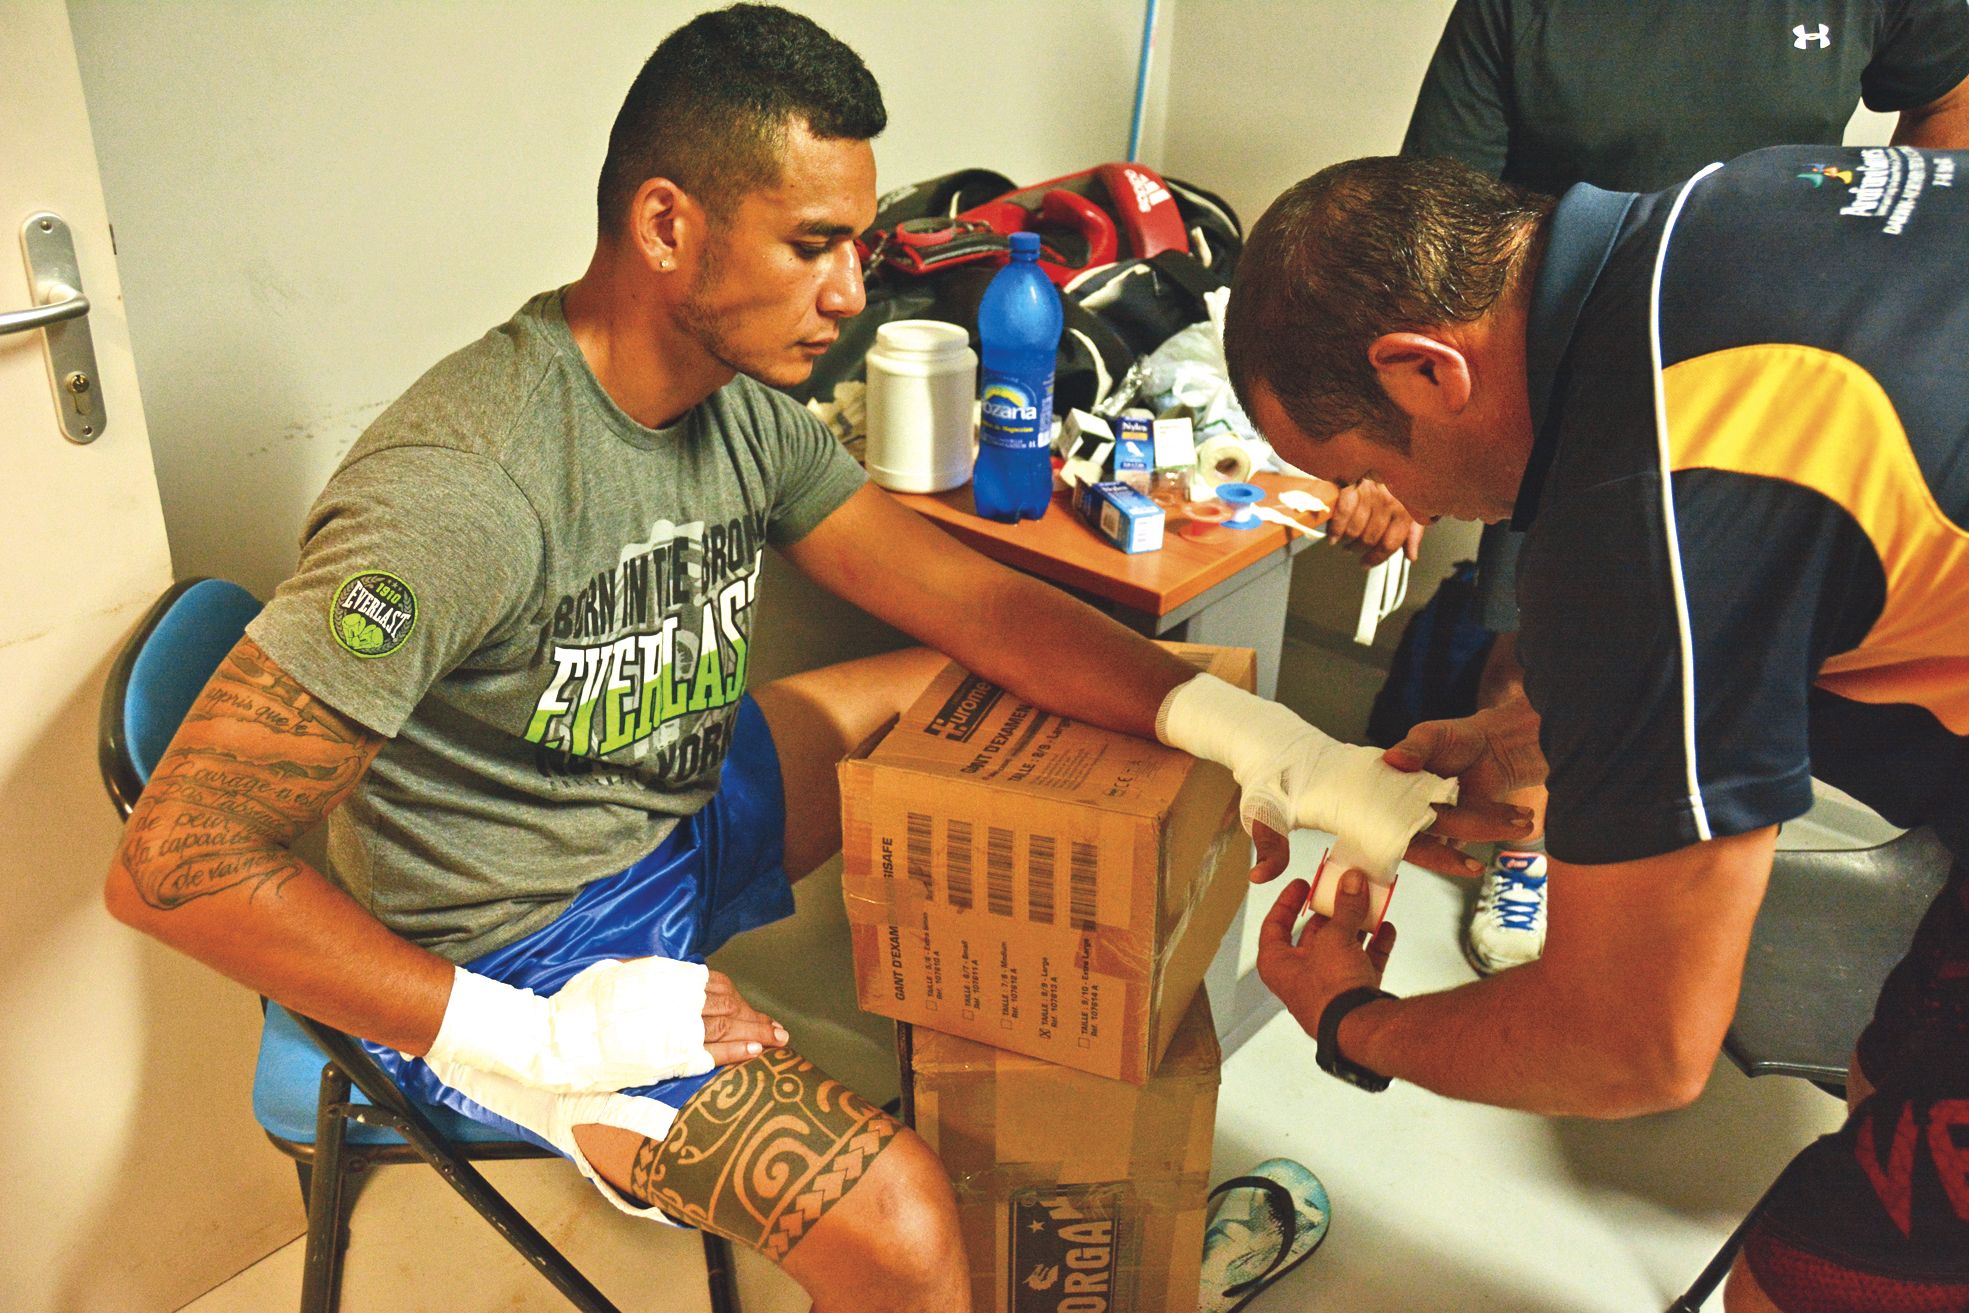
(1269, 1222)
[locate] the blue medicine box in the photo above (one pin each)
(1134, 452)
(1124, 517)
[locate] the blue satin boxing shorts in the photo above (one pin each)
(718, 873)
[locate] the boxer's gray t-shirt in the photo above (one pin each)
(547, 608)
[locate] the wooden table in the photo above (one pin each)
(1229, 589)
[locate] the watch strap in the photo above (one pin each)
(1327, 1039)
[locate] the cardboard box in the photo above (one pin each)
(1075, 1194)
(1035, 883)
(1123, 517)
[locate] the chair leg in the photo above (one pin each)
(306, 1172)
(1719, 1267)
(719, 1276)
(321, 1274)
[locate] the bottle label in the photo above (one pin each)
(1015, 414)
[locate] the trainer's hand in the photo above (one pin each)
(1332, 955)
(1490, 754)
(1368, 519)
(734, 1030)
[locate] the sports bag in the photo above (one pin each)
(1132, 251)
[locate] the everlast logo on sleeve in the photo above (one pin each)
(1064, 1242)
(372, 613)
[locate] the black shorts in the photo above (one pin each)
(1876, 1215)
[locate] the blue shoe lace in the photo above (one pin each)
(1519, 913)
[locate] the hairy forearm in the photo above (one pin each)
(1514, 1041)
(1623, 1014)
(207, 864)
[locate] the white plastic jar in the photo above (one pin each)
(922, 383)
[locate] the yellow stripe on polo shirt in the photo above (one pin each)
(1814, 418)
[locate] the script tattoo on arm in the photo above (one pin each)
(257, 762)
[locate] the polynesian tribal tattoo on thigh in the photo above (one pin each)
(257, 763)
(762, 1152)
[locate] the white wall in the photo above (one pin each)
(313, 203)
(1264, 93)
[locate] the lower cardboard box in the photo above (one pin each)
(1075, 1193)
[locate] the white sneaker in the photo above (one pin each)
(1508, 927)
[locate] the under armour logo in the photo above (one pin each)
(1823, 36)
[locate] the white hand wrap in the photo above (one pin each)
(553, 1117)
(613, 1026)
(1293, 776)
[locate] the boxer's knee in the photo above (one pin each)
(893, 1246)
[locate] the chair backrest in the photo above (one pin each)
(1832, 925)
(158, 675)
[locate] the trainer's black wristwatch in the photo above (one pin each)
(1326, 1042)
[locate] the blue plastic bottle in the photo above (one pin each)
(1019, 324)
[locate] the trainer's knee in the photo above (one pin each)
(1742, 1294)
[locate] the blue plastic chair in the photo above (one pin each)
(302, 1093)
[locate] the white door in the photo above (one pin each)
(132, 1177)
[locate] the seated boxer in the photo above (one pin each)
(510, 673)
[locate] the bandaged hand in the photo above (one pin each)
(615, 1025)
(1293, 776)
(553, 1117)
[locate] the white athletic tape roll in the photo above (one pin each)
(1223, 459)
(1295, 777)
(1326, 886)
(614, 1025)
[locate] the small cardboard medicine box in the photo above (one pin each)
(1075, 1194)
(1123, 517)
(1035, 883)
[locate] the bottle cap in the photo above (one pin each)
(1025, 243)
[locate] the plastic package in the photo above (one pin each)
(922, 376)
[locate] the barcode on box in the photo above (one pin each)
(958, 835)
(1039, 892)
(918, 850)
(1082, 866)
(998, 871)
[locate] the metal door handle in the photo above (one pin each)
(56, 280)
(40, 316)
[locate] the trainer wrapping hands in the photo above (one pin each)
(1331, 954)
(1294, 776)
(614, 1025)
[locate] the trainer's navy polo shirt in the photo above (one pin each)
(1749, 564)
